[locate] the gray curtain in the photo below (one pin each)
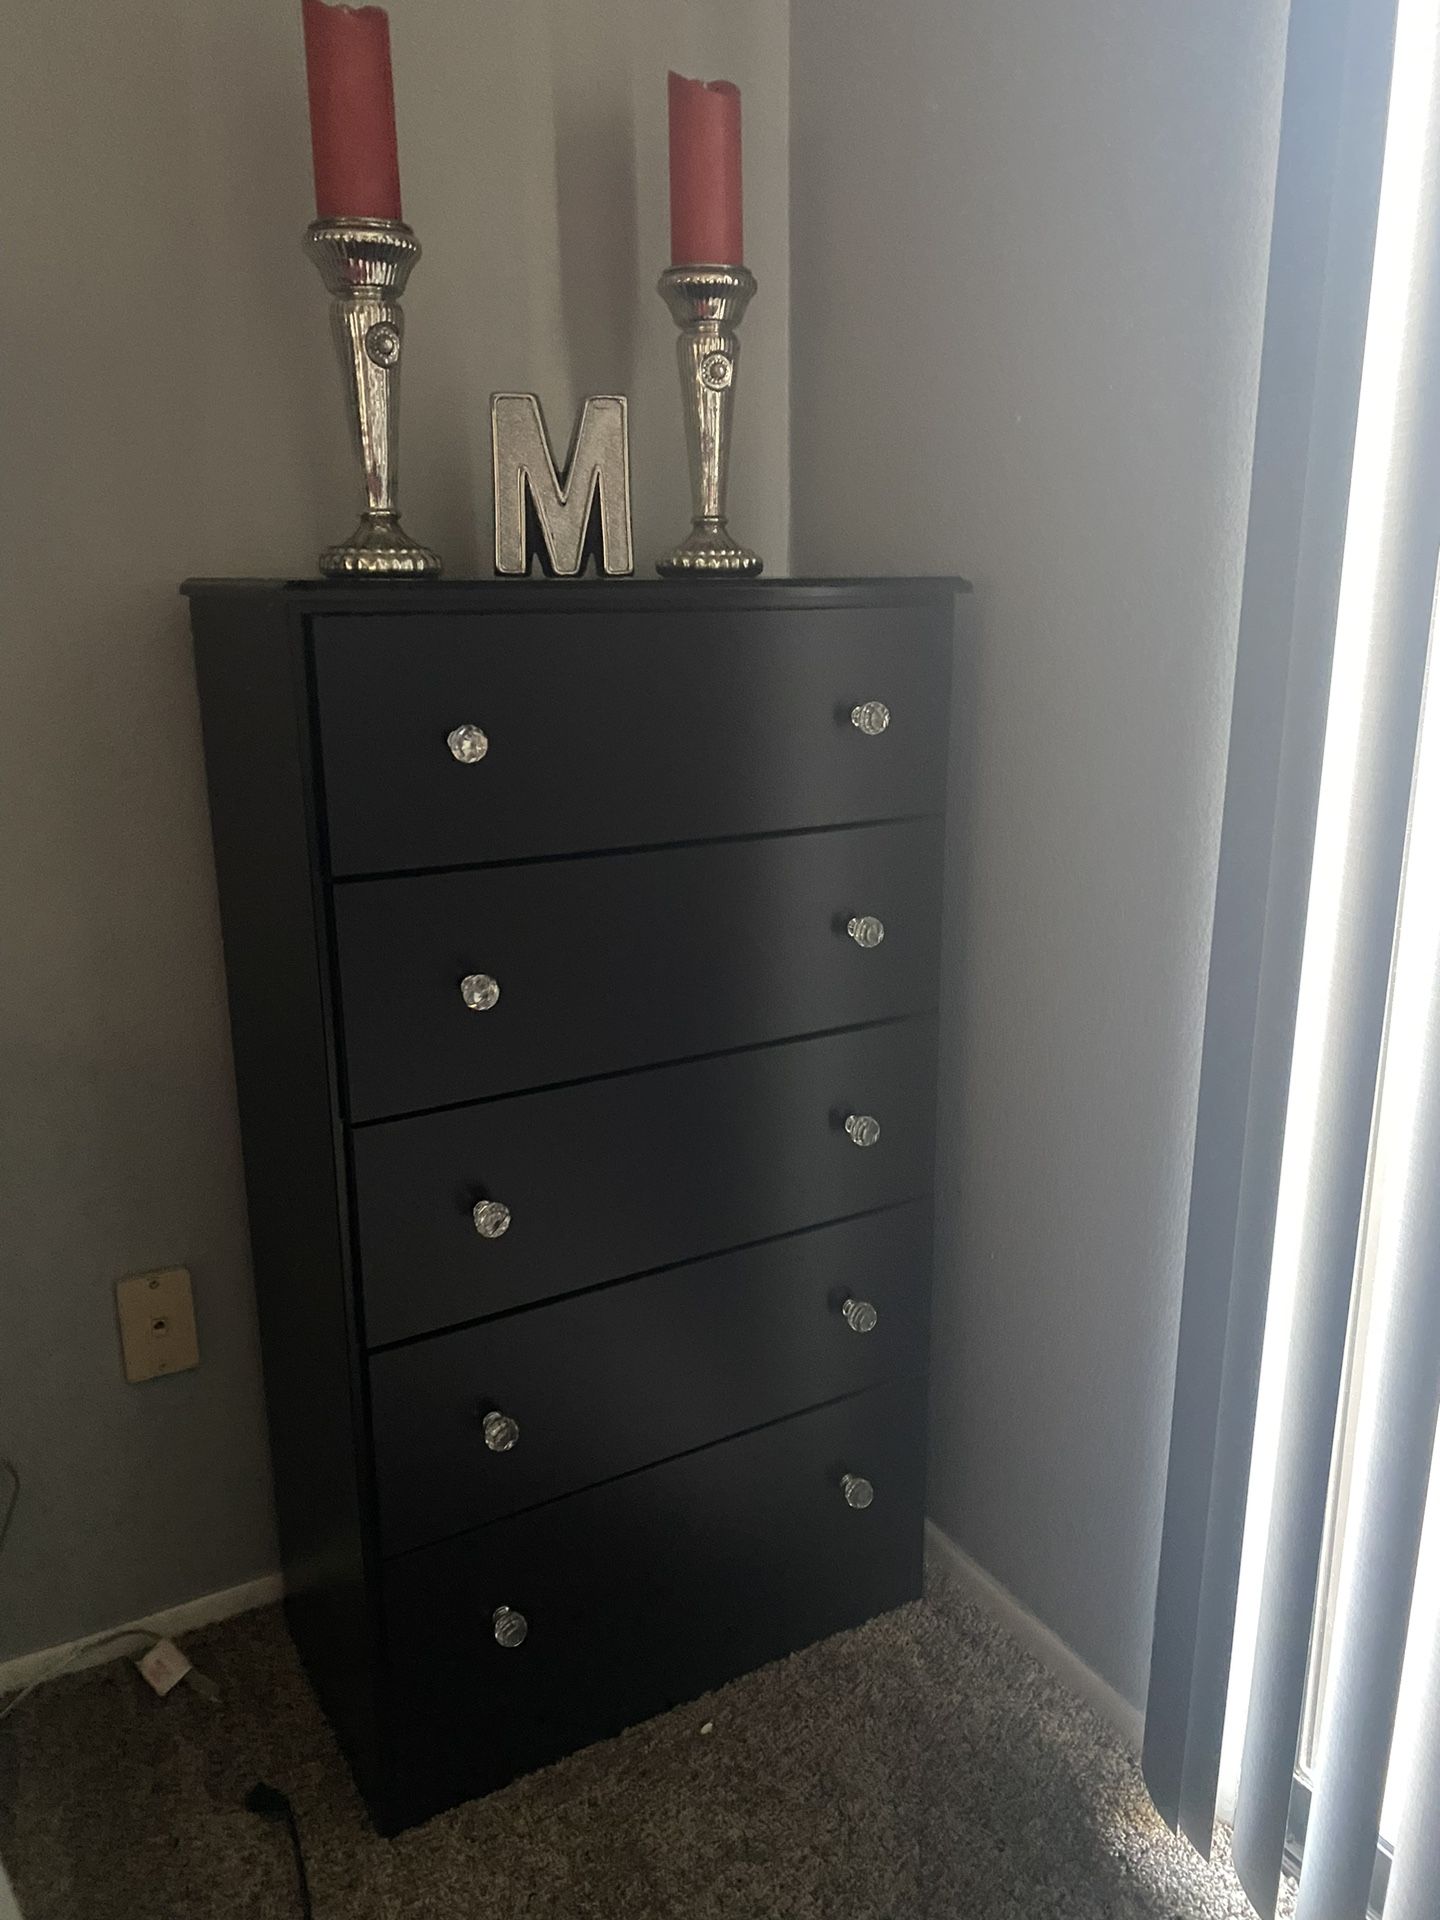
(1337, 95)
(1343, 1823)
(1338, 64)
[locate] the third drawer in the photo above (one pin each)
(471, 1212)
(481, 1422)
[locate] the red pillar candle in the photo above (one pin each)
(706, 223)
(352, 112)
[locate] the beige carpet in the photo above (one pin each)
(922, 1766)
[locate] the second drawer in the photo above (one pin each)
(469, 1213)
(601, 964)
(476, 1424)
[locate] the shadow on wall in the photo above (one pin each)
(598, 227)
(599, 245)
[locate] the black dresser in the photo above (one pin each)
(583, 956)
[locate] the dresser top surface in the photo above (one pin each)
(583, 595)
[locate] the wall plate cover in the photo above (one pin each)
(157, 1323)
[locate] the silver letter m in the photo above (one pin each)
(561, 510)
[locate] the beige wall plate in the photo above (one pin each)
(157, 1323)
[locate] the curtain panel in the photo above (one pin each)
(1344, 541)
(1338, 63)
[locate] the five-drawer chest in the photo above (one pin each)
(583, 956)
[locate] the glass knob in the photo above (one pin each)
(510, 1627)
(871, 716)
(468, 744)
(866, 931)
(857, 1490)
(859, 1316)
(491, 1217)
(863, 1129)
(501, 1432)
(479, 992)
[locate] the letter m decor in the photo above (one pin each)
(569, 518)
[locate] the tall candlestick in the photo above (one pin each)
(706, 207)
(365, 264)
(364, 252)
(707, 303)
(352, 112)
(707, 289)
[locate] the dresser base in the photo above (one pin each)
(638, 1596)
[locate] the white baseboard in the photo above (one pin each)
(1038, 1639)
(1047, 1647)
(95, 1649)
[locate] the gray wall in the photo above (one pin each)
(169, 407)
(1028, 268)
(1028, 264)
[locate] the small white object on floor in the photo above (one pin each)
(709, 1727)
(164, 1666)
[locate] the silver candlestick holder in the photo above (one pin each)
(708, 303)
(365, 264)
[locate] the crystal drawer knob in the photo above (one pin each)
(479, 992)
(857, 1490)
(863, 1129)
(859, 1316)
(866, 931)
(871, 717)
(500, 1431)
(510, 1627)
(468, 744)
(491, 1217)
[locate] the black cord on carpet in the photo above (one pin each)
(275, 1805)
(9, 1467)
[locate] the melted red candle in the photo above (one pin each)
(352, 112)
(706, 209)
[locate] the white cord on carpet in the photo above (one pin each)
(58, 1667)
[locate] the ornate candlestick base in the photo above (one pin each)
(379, 545)
(708, 303)
(365, 264)
(710, 547)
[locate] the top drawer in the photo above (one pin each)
(620, 729)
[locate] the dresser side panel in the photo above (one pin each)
(251, 671)
(955, 620)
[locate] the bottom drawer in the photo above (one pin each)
(643, 1593)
